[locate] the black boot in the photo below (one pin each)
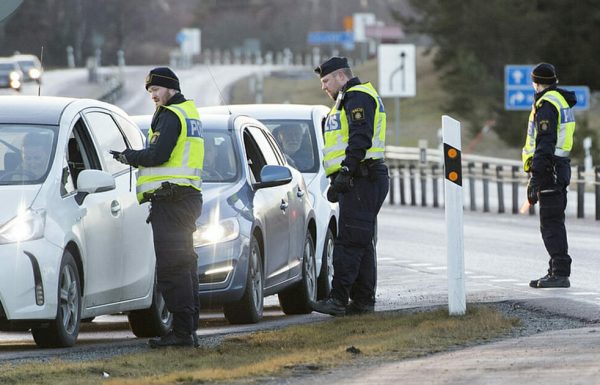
(329, 306)
(355, 308)
(550, 280)
(171, 339)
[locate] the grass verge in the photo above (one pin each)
(322, 345)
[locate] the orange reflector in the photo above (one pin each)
(453, 175)
(452, 153)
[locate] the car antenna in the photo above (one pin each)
(218, 89)
(42, 65)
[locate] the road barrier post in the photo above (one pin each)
(580, 191)
(411, 175)
(434, 184)
(472, 202)
(598, 193)
(515, 190)
(454, 216)
(486, 190)
(500, 187)
(401, 185)
(423, 187)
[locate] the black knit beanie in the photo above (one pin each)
(164, 77)
(544, 73)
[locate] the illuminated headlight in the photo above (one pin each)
(223, 231)
(14, 76)
(34, 73)
(26, 226)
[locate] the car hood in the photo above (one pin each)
(15, 197)
(227, 199)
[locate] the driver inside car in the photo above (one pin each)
(34, 157)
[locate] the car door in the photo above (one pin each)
(101, 224)
(135, 242)
(270, 204)
(296, 194)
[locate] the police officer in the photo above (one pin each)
(169, 177)
(354, 133)
(546, 158)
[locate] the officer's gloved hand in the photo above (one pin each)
(119, 156)
(343, 181)
(332, 195)
(532, 191)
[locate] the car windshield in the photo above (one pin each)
(26, 153)
(296, 138)
(26, 64)
(220, 161)
(7, 67)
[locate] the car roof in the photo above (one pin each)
(212, 120)
(32, 109)
(267, 111)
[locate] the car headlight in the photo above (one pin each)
(34, 73)
(26, 226)
(14, 76)
(218, 232)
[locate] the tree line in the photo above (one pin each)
(473, 40)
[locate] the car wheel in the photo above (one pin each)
(249, 309)
(326, 274)
(155, 321)
(63, 331)
(299, 298)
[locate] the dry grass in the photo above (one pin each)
(270, 353)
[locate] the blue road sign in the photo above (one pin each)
(326, 37)
(519, 93)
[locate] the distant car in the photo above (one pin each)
(31, 67)
(256, 234)
(74, 242)
(305, 152)
(11, 75)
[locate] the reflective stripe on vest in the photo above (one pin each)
(337, 132)
(184, 166)
(565, 129)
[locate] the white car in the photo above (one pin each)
(74, 242)
(306, 154)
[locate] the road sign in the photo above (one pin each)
(519, 93)
(397, 70)
(359, 23)
(330, 37)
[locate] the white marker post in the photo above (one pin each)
(454, 216)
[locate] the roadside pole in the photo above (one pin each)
(454, 216)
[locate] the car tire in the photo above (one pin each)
(299, 298)
(62, 332)
(155, 321)
(249, 309)
(324, 283)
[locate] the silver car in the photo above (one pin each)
(256, 234)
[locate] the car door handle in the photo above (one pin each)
(115, 208)
(284, 205)
(300, 193)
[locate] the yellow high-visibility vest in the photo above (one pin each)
(184, 166)
(337, 132)
(565, 129)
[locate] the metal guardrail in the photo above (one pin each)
(418, 168)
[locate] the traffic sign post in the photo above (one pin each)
(519, 93)
(457, 300)
(397, 75)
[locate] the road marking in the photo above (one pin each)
(585, 293)
(437, 268)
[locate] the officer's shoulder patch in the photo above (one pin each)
(543, 125)
(357, 114)
(154, 137)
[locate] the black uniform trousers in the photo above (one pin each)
(554, 233)
(354, 256)
(173, 223)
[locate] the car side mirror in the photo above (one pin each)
(93, 181)
(271, 176)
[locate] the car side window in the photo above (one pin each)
(109, 137)
(132, 133)
(265, 146)
(255, 158)
(80, 155)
